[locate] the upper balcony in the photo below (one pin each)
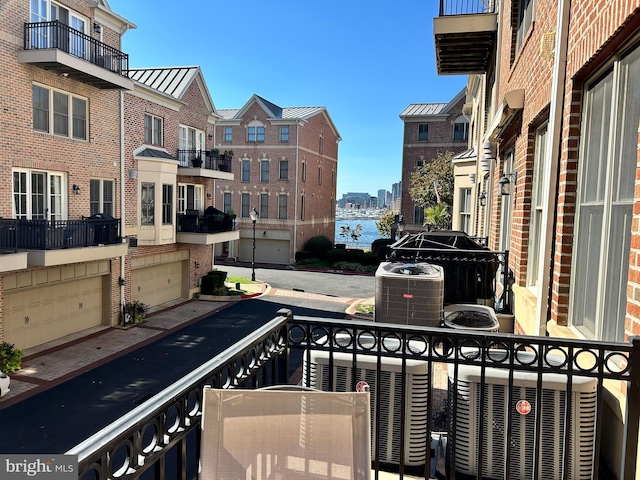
(57, 47)
(212, 227)
(58, 242)
(204, 163)
(465, 36)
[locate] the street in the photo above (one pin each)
(329, 284)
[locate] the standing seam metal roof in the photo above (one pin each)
(423, 109)
(172, 81)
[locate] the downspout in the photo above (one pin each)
(543, 302)
(122, 199)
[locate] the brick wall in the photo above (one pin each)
(77, 160)
(192, 113)
(440, 140)
(303, 148)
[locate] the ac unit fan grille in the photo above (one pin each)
(389, 438)
(522, 440)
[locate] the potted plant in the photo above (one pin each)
(215, 153)
(197, 161)
(134, 312)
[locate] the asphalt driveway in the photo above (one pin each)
(57, 419)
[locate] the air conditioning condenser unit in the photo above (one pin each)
(389, 387)
(523, 405)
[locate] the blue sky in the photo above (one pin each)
(364, 63)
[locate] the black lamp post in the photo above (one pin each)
(254, 216)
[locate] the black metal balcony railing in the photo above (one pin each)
(466, 7)
(211, 222)
(56, 234)
(55, 34)
(471, 276)
(204, 159)
(161, 437)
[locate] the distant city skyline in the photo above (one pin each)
(334, 56)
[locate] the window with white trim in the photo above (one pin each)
(147, 203)
(282, 207)
(101, 195)
(465, 210)
(507, 202)
(524, 20)
(284, 133)
(190, 197)
(264, 170)
(605, 199)
(48, 11)
(228, 134)
(461, 128)
(255, 132)
(226, 202)
(423, 131)
(537, 204)
(245, 202)
(191, 143)
(39, 195)
(59, 113)
(167, 204)
(284, 169)
(264, 205)
(245, 174)
(152, 129)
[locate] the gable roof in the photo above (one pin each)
(431, 109)
(276, 112)
(172, 81)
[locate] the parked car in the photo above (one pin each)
(5, 384)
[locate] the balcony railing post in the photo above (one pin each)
(630, 439)
(282, 370)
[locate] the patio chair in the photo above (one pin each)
(285, 434)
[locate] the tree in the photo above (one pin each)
(438, 171)
(436, 216)
(384, 223)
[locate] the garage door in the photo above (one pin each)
(157, 284)
(37, 315)
(267, 250)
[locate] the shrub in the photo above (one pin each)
(352, 255)
(319, 246)
(355, 267)
(306, 255)
(136, 312)
(212, 282)
(380, 242)
(308, 261)
(10, 357)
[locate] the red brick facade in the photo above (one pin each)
(311, 153)
(28, 149)
(415, 152)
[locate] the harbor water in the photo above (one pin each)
(368, 233)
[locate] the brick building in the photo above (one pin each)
(429, 129)
(61, 84)
(104, 202)
(553, 95)
(285, 164)
(169, 184)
